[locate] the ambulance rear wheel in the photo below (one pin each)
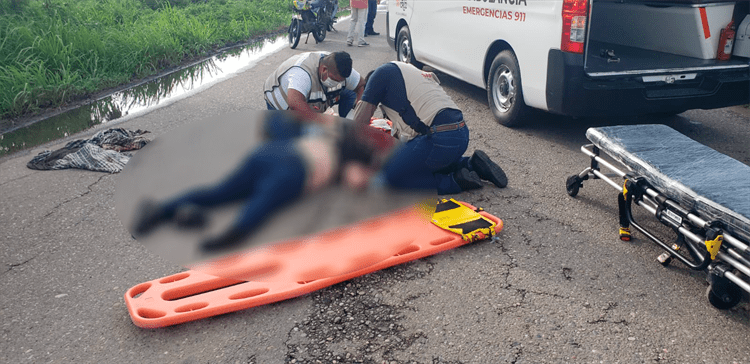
(504, 91)
(725, 299)
(404, 49)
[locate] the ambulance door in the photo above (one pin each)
(433, 32)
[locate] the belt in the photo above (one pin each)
(447, 127)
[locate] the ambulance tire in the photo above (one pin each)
(404, 49)
(504, 91)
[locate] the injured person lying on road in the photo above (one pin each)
(273, 175)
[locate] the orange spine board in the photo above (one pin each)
(290, 269)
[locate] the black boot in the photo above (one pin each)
(467, 180)
(487, 169)
(149, 215)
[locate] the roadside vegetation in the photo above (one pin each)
(56, 51)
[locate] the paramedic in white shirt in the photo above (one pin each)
(310, 83)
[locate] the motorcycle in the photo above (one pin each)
(310, 16)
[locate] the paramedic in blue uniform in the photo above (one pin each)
(431, 125)
(309, 83)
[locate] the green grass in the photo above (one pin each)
(55, 51)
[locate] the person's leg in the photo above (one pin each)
(347, 98)
(406, 169)
(277, 187)
(238, 185)
(372, 10)
(428, 162)
(447, 164)
(352, 26)
(361, 20)
(279, 125)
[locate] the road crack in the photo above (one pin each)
(11, 266)
(89, 190)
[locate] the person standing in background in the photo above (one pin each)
(357, 23)
(372, 10)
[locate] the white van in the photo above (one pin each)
(581, 57)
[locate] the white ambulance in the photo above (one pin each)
(582, 57)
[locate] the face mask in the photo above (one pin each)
(331, 84)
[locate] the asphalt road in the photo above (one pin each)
(558, 286)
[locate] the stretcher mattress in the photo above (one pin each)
(714, 186)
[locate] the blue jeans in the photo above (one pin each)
(271, 177)
(372, 10)
(346, 102)
(429, 162)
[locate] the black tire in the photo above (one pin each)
(573, 184)
(319, 33)
(504, 91)
(295, 33)
(404, 50)
(728, 299)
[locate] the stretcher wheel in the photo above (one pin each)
(573, 184)
(725, 300)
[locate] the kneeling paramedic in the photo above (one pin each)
(431, 125)
(310, 83)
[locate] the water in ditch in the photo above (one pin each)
(112, 108)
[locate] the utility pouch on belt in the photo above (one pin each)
(455, 217)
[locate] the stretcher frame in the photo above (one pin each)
(724, 257)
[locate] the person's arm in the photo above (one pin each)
(356, 83)
(374, 91)
(298, 104)
(364, 112)
(360, 89)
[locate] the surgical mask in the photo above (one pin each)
(331, 84)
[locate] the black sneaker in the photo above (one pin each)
(190, 217)
(487, 169)
(372, 33)
(149, 215)
(467, 180)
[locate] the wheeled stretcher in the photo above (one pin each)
(701, 194)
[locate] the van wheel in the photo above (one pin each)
(404, 50)
(504, 90)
